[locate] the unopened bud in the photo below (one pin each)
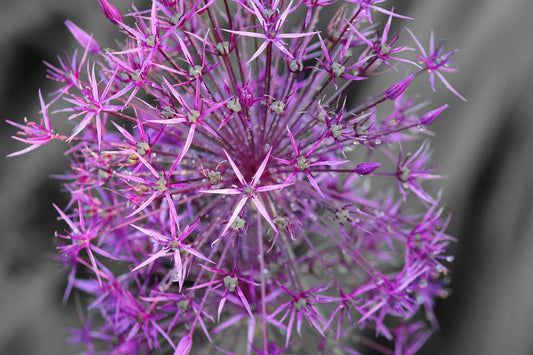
(431, 116)
(397, 89)
(110, 12)
(366, 168)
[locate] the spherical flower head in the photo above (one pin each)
(218, 199)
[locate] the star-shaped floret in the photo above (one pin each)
(248, 191)
(302, 163)
(271, 24)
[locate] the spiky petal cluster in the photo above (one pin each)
(221, 175)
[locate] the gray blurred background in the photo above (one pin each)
(485, 147)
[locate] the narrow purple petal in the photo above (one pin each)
(184, 346)
(84, 39)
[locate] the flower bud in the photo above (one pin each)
(397, 89)
(431, 116)
(110, 12)
(366, 168)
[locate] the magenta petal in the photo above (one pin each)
(84, 39)
(366, 168)
(152, 258)
(184, 346)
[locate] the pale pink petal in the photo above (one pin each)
(261, 208)
(238, 173)
(258, 52)
(185, 148)
(245, 302)
(84, 39)
(230, 191)
(293, 143)
(261, 169)
(145, 204)
(247, 34)
(155, 235)
(313, 182)
(273, 187)
(159, 254)
(195, 253)
(220, 306)
(67, 220)
(289, 328)
(179, 268)
(184, 346)
(236, 211)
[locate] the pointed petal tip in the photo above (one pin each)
(84, 39)
(184, 346)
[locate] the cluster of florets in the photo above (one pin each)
(220, 183)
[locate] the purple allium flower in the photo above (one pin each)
(219, 200)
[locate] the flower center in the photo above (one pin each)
(249, 190)
(303, 163)
(231, 283)
(193, 116)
